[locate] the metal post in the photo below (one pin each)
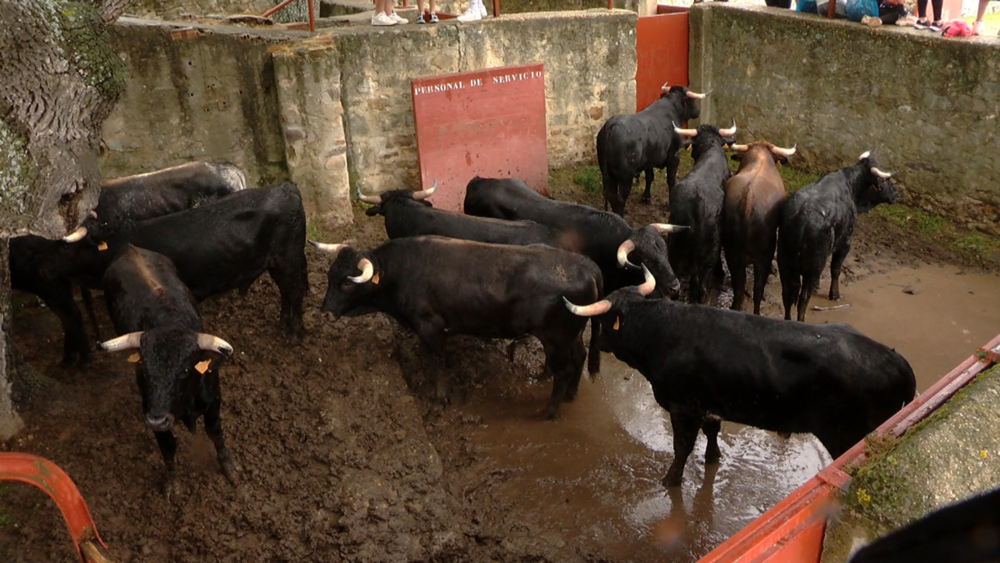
(276, 8)
(496, 8)
(312, 22)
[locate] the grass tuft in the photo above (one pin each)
(588, 178)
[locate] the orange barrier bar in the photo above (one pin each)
(792, 531)
(48, 477)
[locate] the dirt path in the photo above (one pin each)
(338, 459)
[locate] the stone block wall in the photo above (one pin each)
(194, 96)
(929, 106)
(334, 112)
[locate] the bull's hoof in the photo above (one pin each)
(834, 296)
(713, 455)
(645, 200)
(549, 413)
(672, 480)
(171, 489)
(228, 470)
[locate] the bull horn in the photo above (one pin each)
(76, 235)
(666, 228)
(214, 344)
(93, 214)
(649, 285)
(592, 310)
(123, 342)
(865, 154)
(665, 87)
(623, 250)
(785, 152)
(739, 148)
(331, 248)
(424, 194)
(367, 271)
(696, 95)
(728, 132)
(688, 132)
(371, 199)
(880, 174)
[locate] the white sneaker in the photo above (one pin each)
(471, 14)
(398, 19)
(382, 19)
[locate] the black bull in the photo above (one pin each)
(177, 368)
(216, 247)
(604, 237)
(435, 285)
(705, 364)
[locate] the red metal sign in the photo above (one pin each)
(489, 123)
(661, 52)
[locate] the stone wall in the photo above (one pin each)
(195, 95)
(929, 106)
(172, 9)
(642, 7)
(333, 112)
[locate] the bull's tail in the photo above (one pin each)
(594, 352)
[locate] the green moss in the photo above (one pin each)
(16, 178)
(588, 178)
(85, 39)
(796, 179)
(947, 456)
(910, 217)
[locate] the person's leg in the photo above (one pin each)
(922, 11)
(938, 6)
(433, 16)
(977, 26)
(891, 14)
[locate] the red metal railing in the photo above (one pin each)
(52, 480)
(312, 22)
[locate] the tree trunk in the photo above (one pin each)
(59, 80)
(10, 423)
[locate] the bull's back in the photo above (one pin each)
(142, 290)
(230, 242)
(490, 289)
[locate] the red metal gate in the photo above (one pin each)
(661, 48)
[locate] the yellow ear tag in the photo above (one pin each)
(134, 358)
(778, 164)
(202, 367)
(688, 149)
(617, 319)
(375, 278)
(103, 246)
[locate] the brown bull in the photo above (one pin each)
(750, 215)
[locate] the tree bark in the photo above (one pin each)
(60, 80)
(10, 423)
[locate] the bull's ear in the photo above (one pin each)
(373, 211)
(737, 156)
(781, 160)
(686, 145)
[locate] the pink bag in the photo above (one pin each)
(957, 28)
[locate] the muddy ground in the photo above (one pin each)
(342, 454)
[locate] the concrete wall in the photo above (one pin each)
(334, 112)
(929, 106)
(191, 96)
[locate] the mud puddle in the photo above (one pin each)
(590, 481)
(935, 316)
(594, 473)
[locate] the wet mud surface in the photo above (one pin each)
(343, 455)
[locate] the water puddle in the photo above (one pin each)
(592, 477)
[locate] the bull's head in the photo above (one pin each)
(395, 196)
(646, 247)
(351, 277)
(878, 187)
(684, 100)
(610, 310)
(173, 361)
(705, 137)
(762, 150)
